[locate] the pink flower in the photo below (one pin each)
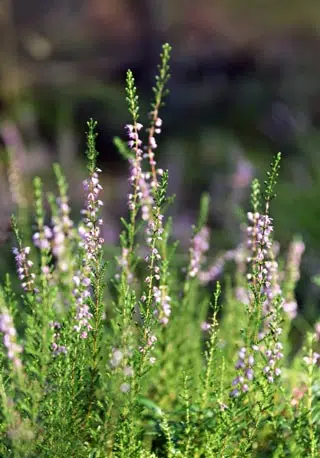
(205, 326)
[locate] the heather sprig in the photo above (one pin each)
(209, 381)
(199, 242)
(271, 181)
(23, 262)
(156, 295)
(311, 362)
(291, 276)
(160, 92)
(136, 176)
(91, 151)
(260, 238)
(255, 196)
(9, 335)
(87, 279)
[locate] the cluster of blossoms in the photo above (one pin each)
(244, 366)
(246, 361)
(312, 360)
(273, 355)
(162, 301)
(242, 295)
(117, 357)
(24, 265)
(142, 196)
(56, 348)
(141, 192)
(61, 229)
(143, 182)
(297, 395)
(90, 232)
(271, 287)
(9, 338)
(272, 350)
(117, 360)
(214, 271)
(42, 239)
(200, 245)
(290, 308)
(264, 274)
(133, 134)
(145, 196)
(265, 267)
(92, 241)
(81, 291)
(259, 243)
(155, 228)
(123, 262)
(152, 144)
(148, 347)
(295, 253)
(159, 292)
(211, 274)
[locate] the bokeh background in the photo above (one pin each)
(245, 84)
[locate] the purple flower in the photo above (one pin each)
(273, 355)
(141, 194)
(125, 387)
(61, 230)
(24, 265)
(91, 242)
(313, 360)
(9, 338)
(205, 326)
(290, 308)
(199, 246)
(244, 366)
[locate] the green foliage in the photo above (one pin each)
(271, 180)
(255, 195)
(162, 78)
(91, 152)
(204, 211)
(122, 148)
(141, 356)
(132, 97)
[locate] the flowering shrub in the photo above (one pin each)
(147, 354)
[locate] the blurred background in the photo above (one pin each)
(245, 84)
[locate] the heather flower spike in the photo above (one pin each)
(140, 194)
(264, 268)
(291, 276)
(156, 293)
(200, 241)
(198, 249)
(160, 92)
(23, 262)
(245, 369)
(9, 336)
(91, 240)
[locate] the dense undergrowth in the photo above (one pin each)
(146, 354)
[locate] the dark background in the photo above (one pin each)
(245, 84)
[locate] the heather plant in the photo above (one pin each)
(154, 352)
